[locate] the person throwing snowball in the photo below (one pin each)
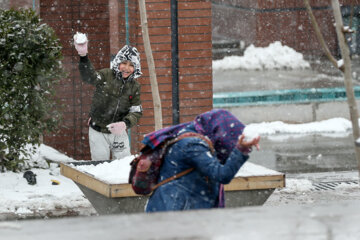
(211, 163)
(116, 104)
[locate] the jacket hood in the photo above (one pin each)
(223, 129)
(127, 53)
(219, 125)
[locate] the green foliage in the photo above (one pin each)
(30, 67)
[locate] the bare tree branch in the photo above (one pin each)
(320, 36)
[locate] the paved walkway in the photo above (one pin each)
(336, 221)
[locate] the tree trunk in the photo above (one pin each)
(151, 65)
(320, 36)
(345, 53)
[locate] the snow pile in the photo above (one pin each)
(297, 185)
(42, 155)
(275, 56)
(114, 172)
(19, 198)
(334, 125)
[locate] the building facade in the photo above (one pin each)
(110, 24)
(108, 29)
(262, 22)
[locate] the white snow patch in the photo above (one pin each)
(18, 196)
(297, 185)
(44, 152)
(340, 63)
(334, 125)
(22, 210)
(275, 56)
(114, 172)
(251, 169)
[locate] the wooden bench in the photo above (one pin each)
(252, 185)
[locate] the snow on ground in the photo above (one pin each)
(330, 126)
(275, 56)
(18, 199)
(301, 189)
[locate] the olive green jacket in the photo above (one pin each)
(114, 99)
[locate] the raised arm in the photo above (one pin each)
(88, 73)
(198, 155)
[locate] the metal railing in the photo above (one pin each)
(232, 99)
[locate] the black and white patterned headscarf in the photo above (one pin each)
(127, 53)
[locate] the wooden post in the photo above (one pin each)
(345, 53)
(114, 34)
(151, 65)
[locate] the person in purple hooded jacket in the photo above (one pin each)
(203, 187)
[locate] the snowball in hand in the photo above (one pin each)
(250, 134)
(80, 38)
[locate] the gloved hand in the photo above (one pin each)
(81, 48)
(117, 128)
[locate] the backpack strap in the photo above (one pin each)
(187, 135)
(173, 178)
(174, 140)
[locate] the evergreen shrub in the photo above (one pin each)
(30, 68)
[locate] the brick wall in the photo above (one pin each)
(195, 61)
(67, 17)
(262, 22)
(234, 20)
(104, 22)
(290, 24)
